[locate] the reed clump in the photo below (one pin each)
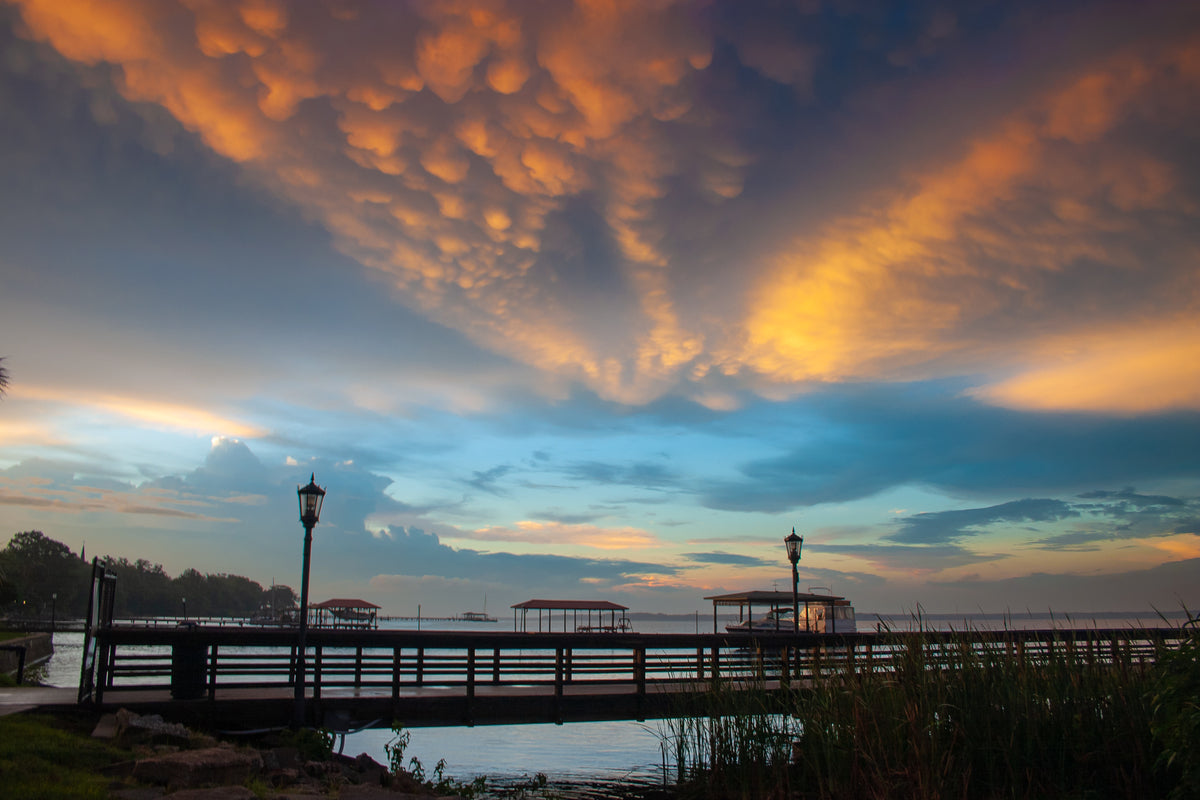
(947, 717)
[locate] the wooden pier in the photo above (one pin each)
(240, 678)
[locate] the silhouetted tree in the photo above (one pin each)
(38, 567)
(33, 567)
(3, 377)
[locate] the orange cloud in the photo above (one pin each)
(554, 533)
(897, 291)
(148, 413)
(446, 143)
(1149, 368)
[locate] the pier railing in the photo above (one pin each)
(197, 662)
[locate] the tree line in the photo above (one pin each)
(40, 576)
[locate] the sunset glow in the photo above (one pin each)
(602, 297)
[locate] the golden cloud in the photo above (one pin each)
(891, 291)
(447, 144)
(555, 533)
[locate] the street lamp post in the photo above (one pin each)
(793, 544)
(311, 497)
(184, 600)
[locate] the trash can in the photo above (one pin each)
(187, 669)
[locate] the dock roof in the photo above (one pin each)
(759, 598)
(573, 605)
(345, 602)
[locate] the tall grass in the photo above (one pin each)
(945, 719)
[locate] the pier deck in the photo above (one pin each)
(245, 678)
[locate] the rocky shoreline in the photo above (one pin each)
(173, 762)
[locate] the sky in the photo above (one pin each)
(600, 299)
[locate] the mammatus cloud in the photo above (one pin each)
(479, 155)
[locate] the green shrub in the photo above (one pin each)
(312, 745)
(1176, 714)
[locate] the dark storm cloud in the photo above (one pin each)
(1164, 587)
(418, 553)
(937, 556)
(948, 526)
(844, 445)
(643, 474)
(486, 480)
(567, 518)
(1130, 499)
(729, 559)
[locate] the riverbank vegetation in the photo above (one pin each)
(53, 758)
(41, 577)
(979, 724)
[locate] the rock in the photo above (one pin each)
(106, 728)
(282, 758)
(368, 770)
(194, 768)
(154, 723)
(137, 793)
(215, 793)
(364, 791)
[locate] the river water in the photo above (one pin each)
(598, 752)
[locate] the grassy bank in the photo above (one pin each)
(52, 757)
(982, 725)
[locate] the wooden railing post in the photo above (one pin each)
(470, 683)
(316, 682)
(567, 656)
(212, 674)
(558, 685)
(700, 663)
(395, 673)
(639, 669)
(358, 666)
(785, 656)
(420, 666)
(716, 664)
(496, 665)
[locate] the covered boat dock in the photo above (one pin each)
(571, 616)
(772, 602)
(342, 612)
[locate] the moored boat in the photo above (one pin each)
(819, 613)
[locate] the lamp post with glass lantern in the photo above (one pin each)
(311, 497)
(793, 544)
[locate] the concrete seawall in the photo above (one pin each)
(38, 648)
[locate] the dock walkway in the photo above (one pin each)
(245, 678)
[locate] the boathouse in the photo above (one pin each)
(773, 602)
(342, 612)
(571, 617)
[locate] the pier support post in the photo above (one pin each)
(639, 668)
(395, 673)
(470, 685)
(558, 685)
(212, 674)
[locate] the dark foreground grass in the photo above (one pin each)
(981, 725)
(50, 757)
